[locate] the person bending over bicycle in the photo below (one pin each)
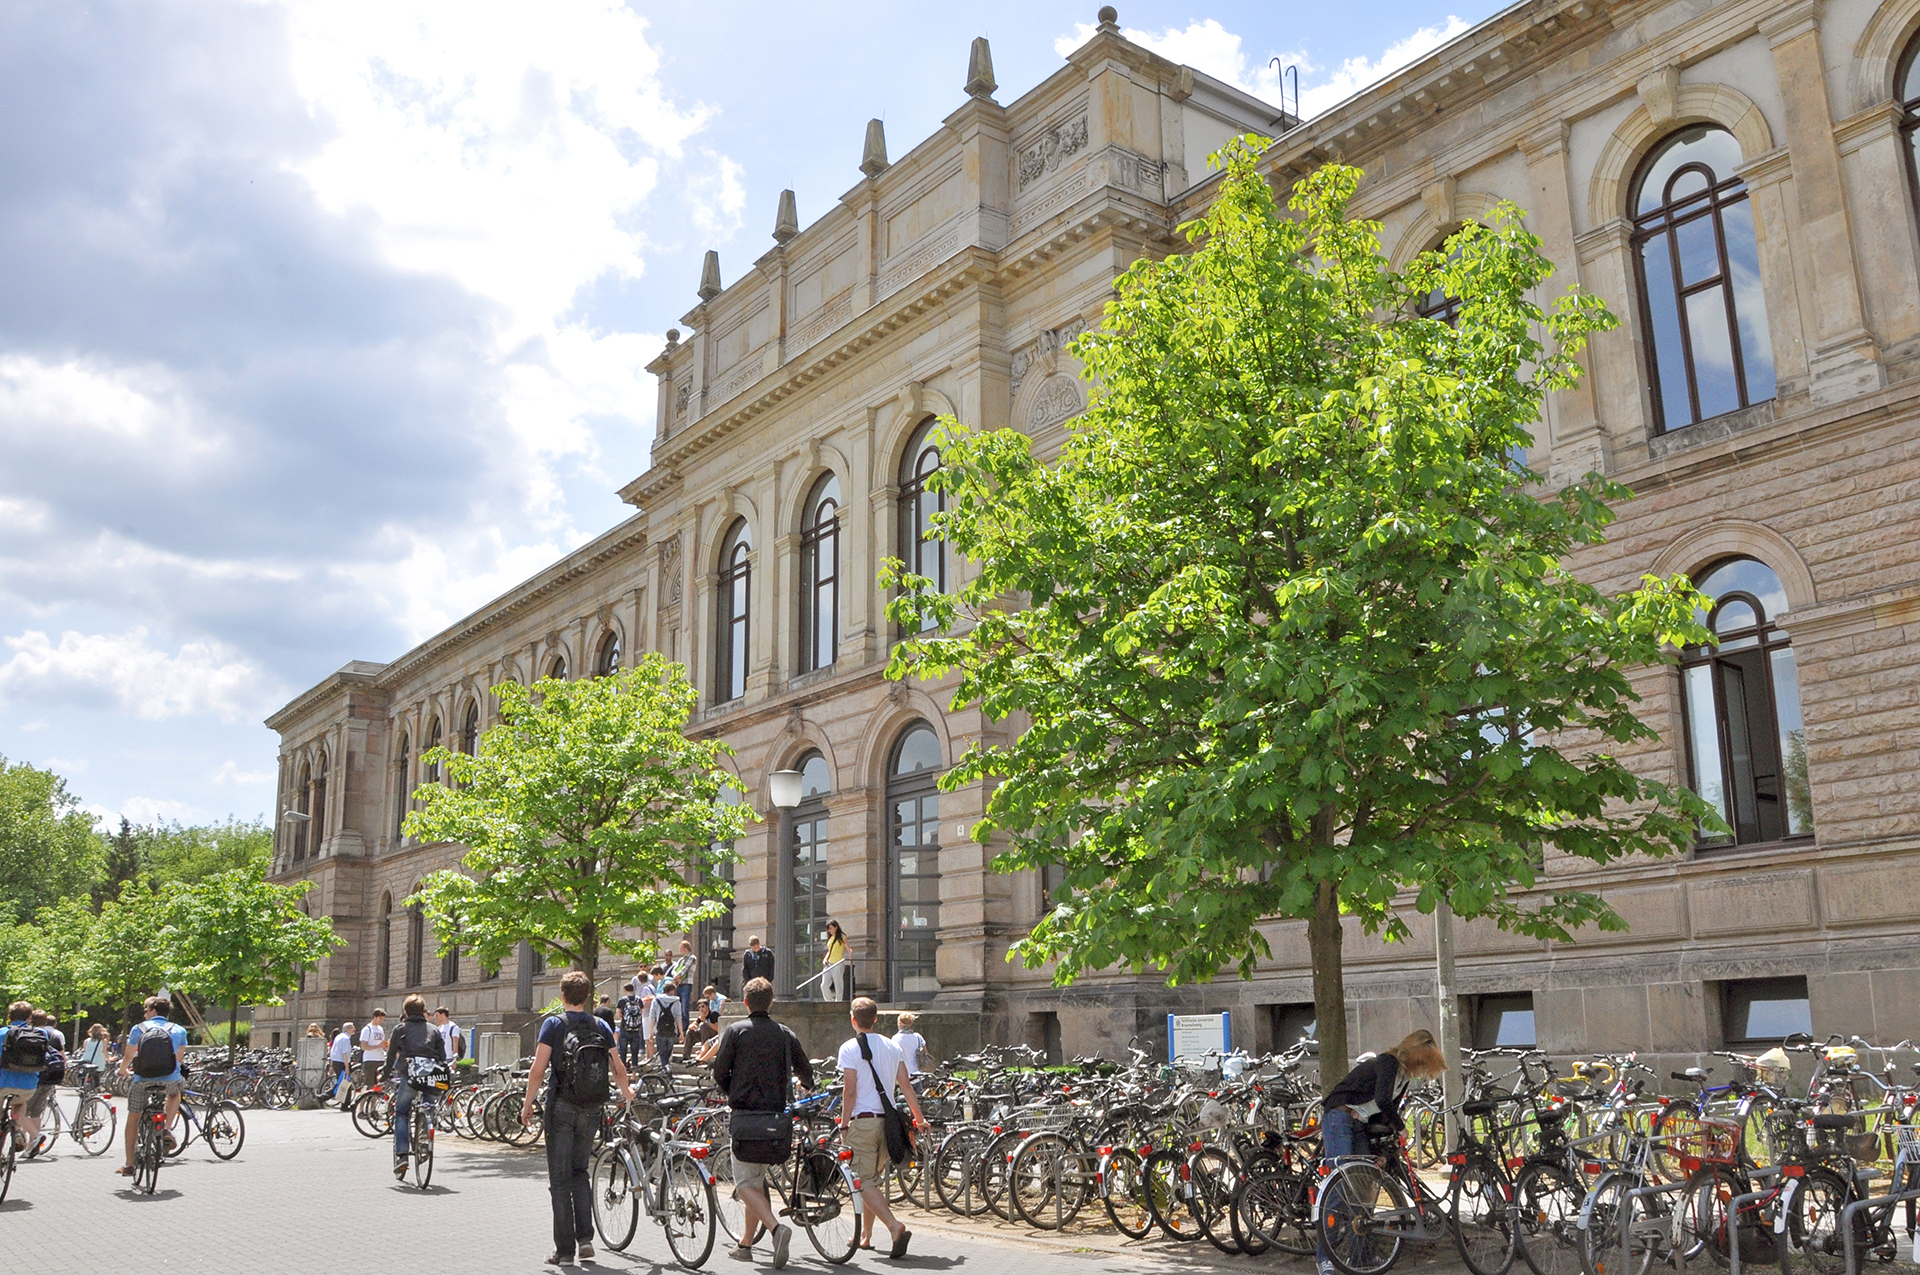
(152, 1057)
(1370, 1093)
(417, 1052)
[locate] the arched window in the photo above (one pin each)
(303, 804)
(319, 806)
(820, 575)
(1699, 265)
(1745, 740)
(1907, 89)
(808, 855)
(924, 555)
(558, 669)
(1438, 303)
(607, 663)
(433, 741)
(730, 647)
(416, 940)
(913, 796)
(470, 731)
(450, 964)
(383, 957)
(402, 788)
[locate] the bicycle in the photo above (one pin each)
(150, 1145)
(93, 1125)
(8, 1153)
(420, 1131)
(223, 1128)
(647, 1168)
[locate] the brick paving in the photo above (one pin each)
(308, 1195)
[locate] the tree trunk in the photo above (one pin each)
(1329, 986)
(233, 1028)
(589, 947)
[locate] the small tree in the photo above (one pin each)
(48, 849)
(123, 961)
(239, 938)
(586, 812)
(53, 978)
(1297, 632)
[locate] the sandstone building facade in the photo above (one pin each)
(1734, 177)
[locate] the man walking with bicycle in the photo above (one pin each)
(154, 1049)
(752, 1063)
(577, 1048)
(414, 1039)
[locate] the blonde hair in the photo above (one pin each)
(907, 1021)
(1419, 1054)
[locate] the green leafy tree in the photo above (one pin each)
(591, 820)
(124, 960)
(52, 975)
(1292, 630)
(48, 850)
(16, 948)
(240, 939)
(176, 853)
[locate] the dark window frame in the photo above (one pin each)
(384, 972)
(923, 556)
(820, 574)
(1736, 1005)
(403, 793)
(1502, 1003)
(809, 823)
(733, 613)
(905, 958)
(607, 661)
(1909, 102)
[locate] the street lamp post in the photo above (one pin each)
(783, 790)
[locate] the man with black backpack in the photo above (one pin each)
(418, 1052)
(154, 1048)
(577, 1048)
(50, 1075)
(23, 1055)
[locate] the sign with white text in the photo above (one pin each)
(1190, 1036)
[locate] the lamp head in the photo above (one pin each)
(783, 786)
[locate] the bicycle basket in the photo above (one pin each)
(1695, 1141)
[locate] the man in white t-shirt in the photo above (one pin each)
(339, 1061)
(450, 1034)
(373, 1049)
(864, 1130)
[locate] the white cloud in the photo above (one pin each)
(150, 810)
(120, 671)
(1207, 46)
(66, 765)
(230, 773)
(98, 403)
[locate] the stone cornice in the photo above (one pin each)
(357, 675)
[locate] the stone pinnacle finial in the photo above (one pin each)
(786, 222)
(980, 69)
(873, 157)
(710, 276)
(1109, 20)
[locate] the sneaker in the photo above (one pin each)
(781, 1239)
(1327, 1267)
(400, 1166)
(585, 1254)
(554, 1259)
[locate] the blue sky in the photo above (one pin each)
(322, 323)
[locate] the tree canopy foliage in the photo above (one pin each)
(1289, 616)
(591, 820)
(48, 850)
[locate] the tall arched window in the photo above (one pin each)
(1699, 259)
(820, 575)
(450, 964)
(925, 555)
(402, 789)
(808, 856)
(913, 796)
(1746, 744)
(730, 647)
(383, 956)
(319, 806)
(607, 663)
(470, 731)
(557, 670)
(1907, 89)
(416, 940)
(433, 741)
(303, 804)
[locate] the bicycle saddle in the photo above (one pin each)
(674, 1102)
(1832, 1122)
(1553, 1115)
(1483, 1107)
(1697, 1074)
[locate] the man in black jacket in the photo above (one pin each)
(757, 963)
(752, 1063)
(415, 1037)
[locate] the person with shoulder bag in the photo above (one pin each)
(576, 1055)
(875, 1130)
(417, 1055)
(754, 1062)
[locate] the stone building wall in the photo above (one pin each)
(949, 280)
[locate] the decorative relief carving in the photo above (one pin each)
(680, 400)
(1054, 146)
(1059, 400)
(1048, 203)
(670, 572)
(819, 324)
(741, 378)
(1044, 350)
(920, 261)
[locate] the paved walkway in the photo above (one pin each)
(307, 1195)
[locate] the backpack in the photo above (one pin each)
(153, 1058)
(632, 1012)
(26, 1048)
(426, 1056)
(584, 1075)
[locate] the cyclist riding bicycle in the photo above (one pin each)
(153, 1053)
(417, 1052)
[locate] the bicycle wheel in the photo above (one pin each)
(1254, 1208)
(1048, 1181)
(1664, 1162)
(956, 1171)
(1547, 1201)
(420, 1143)
(277, 1093)
(180, 1130)
(1814, 1223)
(1286, 1222)
(1165, 1179)
(728, 1210)
(1426, 1134)
(1602, 1250)
(1353, 1200)
(616, 1200)
(6, 1159)
(1123, 1191)
(994, 1163)
(95, 1124)
(1756, 1116)
(146, 1164)
(225, 1130)
(372, 1116)
(687, 1212)
(1481, 1215)
(1212, 1175)
(823, 1201)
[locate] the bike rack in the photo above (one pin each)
(1852, 1210)
(1626, 1215)
(1733, 1214)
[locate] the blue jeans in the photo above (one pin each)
(403, 1098)
(1340, 1135)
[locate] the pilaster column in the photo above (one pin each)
(1570, 436)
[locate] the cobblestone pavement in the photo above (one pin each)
(308, 1195)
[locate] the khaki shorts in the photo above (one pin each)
(37, 1104)
(867, 1139)
(745, 1175)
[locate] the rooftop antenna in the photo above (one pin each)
(1291, 69)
